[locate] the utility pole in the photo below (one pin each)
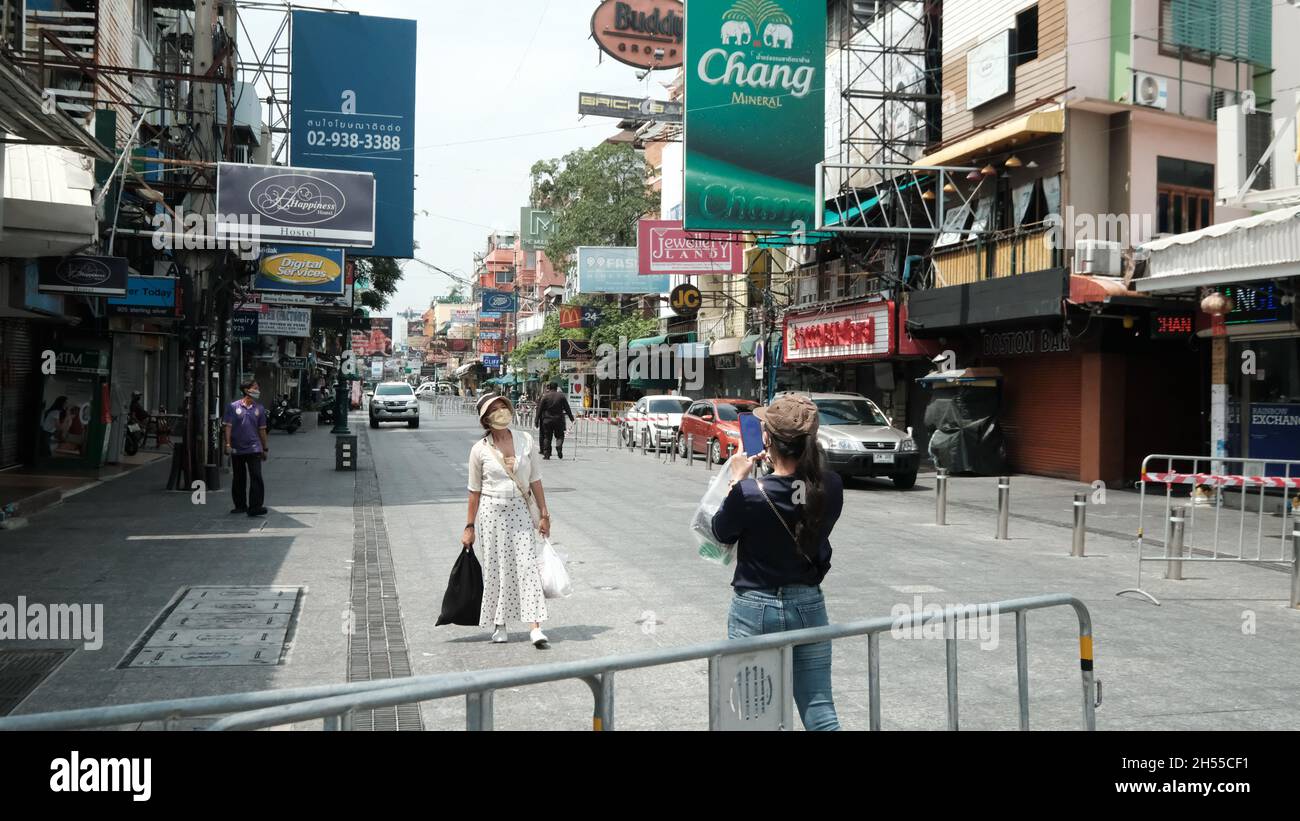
(202, 262)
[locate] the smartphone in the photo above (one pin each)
(751, 434)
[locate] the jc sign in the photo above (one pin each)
(685, 300)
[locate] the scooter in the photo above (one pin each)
(325, 416)
(136, 436)
(285, 418)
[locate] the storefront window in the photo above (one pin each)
(1271, 427)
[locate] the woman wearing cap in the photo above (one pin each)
(782, 524)
(504, 475)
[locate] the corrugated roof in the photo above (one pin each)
(1254, 244)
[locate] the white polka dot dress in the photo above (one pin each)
(505, 538)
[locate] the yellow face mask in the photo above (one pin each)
(500, 419)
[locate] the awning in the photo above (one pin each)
(1265, 246)
(723, 347)
(466, 368)
(48, 209)
(648, 341)
(996, 140)
(748, 344)
(1084, 289)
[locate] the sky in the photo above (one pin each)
(497, 87)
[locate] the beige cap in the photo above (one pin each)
(790, 417)
(485, 401)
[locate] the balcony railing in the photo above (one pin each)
(1009, 253)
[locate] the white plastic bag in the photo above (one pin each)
(711, 549)
(555, 576)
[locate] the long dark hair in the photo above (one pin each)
(810, 465)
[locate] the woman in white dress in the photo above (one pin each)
(501, 521)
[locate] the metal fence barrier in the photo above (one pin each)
(750, 682)
(1225, 543)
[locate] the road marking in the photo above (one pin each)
(191, 537)
(915, 588)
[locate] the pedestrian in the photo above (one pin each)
(781, 525)
(245, 426)
(551, 410)
(505, 479)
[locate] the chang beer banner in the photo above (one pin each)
(755, 113)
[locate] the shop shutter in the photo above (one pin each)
(1041, 413)
(17, 380)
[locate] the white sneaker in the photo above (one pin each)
(538, 638)
(500, 636)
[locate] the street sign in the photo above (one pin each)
(760, 355)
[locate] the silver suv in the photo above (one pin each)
(394, 402)
(860, 441)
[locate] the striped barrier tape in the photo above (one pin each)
(1215, 480)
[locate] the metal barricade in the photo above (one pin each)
(1233, 527)
(750, 681)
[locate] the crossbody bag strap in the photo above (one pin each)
(781, 519)
(526, 492)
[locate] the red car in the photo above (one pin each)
(715, 426)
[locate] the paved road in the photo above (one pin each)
(380, 543)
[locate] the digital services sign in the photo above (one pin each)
(292, 269)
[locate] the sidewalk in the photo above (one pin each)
(131, 546)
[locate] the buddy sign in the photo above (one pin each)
(641, 33)
(754, 67)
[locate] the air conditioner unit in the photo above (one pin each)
(1150, 91)
(1099, 258)
(1222, 98)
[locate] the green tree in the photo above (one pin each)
(595, 196)
(380, 276)
(456, 294)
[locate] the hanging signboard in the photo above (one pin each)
(629, 108)
(754, 68)
(353, 91)
(314, 207)
(855, 332)
(579, 316)
(641, 33)
(614, 271)
(292, 322)
(664, 247)
(89, 276)
(500, 302)
(304, 270)
(146, 296)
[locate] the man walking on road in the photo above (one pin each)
(245, 425)
(551, 410)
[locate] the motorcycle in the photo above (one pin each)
(136, 436)
(285, 418)
(325, 416)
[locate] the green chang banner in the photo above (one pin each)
(755, 113)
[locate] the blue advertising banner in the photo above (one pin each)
(1274, 432)
(291, 269)
(615, 271)
(146, 296)
(491, 361)
(353, 91)
(499, 302)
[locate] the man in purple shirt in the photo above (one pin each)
(245, 426)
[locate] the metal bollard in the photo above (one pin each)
(941, 496)
(1080, 525)
(672, 456)
(690, 451)
(1004, 506)
(1174, 570)
(1295, 568)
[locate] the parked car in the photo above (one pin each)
(653, 421)
(712, 426)
(426, 391)
(394, 402)
(860, 441)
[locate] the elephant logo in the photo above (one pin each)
(779, 34)
(749, 16)
(734, 31)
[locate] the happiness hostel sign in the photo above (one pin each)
(753, 67)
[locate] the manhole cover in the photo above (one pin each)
(22, 671)
(219, 627)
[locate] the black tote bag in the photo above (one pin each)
(464, 597)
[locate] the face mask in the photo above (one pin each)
(500, 419)
(254, 394)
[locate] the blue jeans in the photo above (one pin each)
(756, 612)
